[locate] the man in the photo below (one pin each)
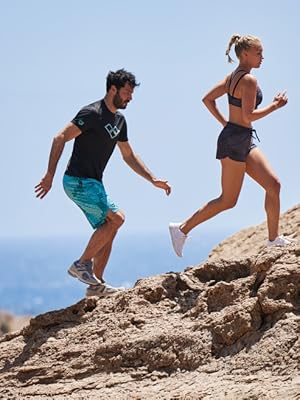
(97, 128)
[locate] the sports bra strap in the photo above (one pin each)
(238, 82)
(231, 79)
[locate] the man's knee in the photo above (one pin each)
(117, 220)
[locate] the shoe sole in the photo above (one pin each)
(96, 295)
(104, 294)
(279, 245)
(71, 273)
(99, 295)
(170, 230)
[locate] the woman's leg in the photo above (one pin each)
(233, 173)
(259, 169)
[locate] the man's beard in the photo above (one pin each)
(118, 102)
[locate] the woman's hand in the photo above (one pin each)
(280, 100)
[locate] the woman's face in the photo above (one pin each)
(254, 55)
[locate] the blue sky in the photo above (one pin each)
(55, 58)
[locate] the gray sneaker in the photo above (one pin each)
(102, 290)
(84, 272)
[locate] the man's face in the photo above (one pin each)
(123, 96)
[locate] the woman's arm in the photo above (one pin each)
(210, 100)
(249, 88)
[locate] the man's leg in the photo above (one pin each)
(102, 257)
(99, 245)
(90, 196)
(100, 260)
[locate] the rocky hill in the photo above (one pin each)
(226, 329)
(10, 322)
(252, 240)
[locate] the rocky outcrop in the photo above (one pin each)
(226, 329)
(10, 323)
(252, 240)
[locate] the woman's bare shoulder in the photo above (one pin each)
(249, 80)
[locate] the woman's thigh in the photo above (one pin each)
(259, 169)
(233, 173)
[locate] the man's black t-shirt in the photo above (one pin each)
(101, 129)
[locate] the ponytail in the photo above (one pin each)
(233, 40)
(240, 43)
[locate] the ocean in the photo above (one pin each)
(34, 270)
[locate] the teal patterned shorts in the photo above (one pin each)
(90, 196)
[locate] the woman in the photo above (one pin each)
(236, 150)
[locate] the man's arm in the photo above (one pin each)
(68, 133)
(137, 165)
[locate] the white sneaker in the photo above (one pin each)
(280, 241)
(102, 290)
(178, 237)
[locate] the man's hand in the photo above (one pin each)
(44, 186)
(162, 185)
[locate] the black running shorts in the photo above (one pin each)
(235, 141)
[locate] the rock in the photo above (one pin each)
(11, 323)
(226, 329)
(251, 241)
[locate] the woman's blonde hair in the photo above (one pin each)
(240, 43)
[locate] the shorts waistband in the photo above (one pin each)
(233, 125)
(80, 179)
(251, 130)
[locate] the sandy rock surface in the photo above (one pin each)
(226, 329)
(11, 323)
(252, 240)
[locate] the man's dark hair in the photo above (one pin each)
(120, 78)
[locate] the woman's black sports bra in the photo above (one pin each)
(234, 101)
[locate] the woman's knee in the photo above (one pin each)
(274, 187)
(227, 203)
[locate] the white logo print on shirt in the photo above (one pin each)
(112, 131)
